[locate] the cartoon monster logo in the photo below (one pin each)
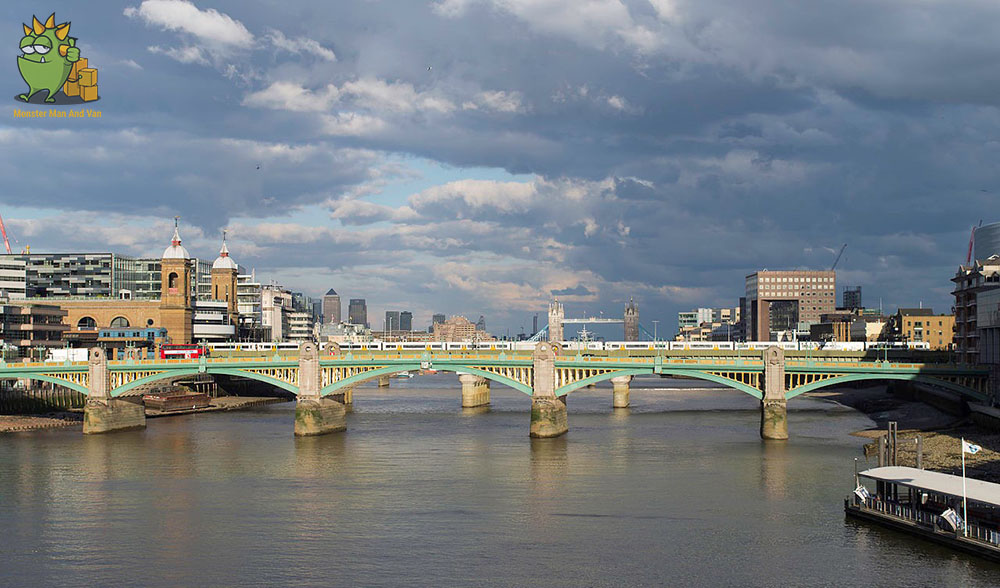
(47, 56)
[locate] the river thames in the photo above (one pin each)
(677, 490)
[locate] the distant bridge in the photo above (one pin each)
(545, 375)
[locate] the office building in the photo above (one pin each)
(852, 298)
(357, 312)
(31, 328)
(781, 303)
(331, 307)
(459, 328)
(437, 318)
(987, 241)
(13, 282)
(391, 321)
(922, 325)
(276, 305)
(406, 321)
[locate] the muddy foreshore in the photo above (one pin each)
(941, 432)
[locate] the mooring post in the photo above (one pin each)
(773, 407)
(102, 413)
(548, 413)
(315, 415)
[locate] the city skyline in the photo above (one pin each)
(651, 162)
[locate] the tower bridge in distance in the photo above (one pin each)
(553, 331)
(323, 385)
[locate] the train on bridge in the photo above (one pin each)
(223, 348)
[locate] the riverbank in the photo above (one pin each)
(941, 432)
(69, 419)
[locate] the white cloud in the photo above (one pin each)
(498, 101)
(502, 196)
(398, 97)
(352, 124)
(189, 54)
(300, 45)
(209, 26)
(293, 97)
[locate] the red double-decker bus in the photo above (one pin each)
(178, 351)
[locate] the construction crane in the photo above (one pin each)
(972, 239)
(836, 261)
(3, 230)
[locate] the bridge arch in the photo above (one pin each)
(921, 379)
(395, 369)
(602, 378)
(44, 378)
(174, 373)
(745, 388)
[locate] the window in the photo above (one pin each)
(172, 280)
(119, 322)
(86, 324)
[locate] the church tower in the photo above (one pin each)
(224, 272)
(175, 291)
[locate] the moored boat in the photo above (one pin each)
(930, 505)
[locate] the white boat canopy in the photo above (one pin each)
(977, 490)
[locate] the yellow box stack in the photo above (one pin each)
(72, 85)
(88, 83)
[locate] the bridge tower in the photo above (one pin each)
(315, 414)
(102, 413)
(175, 291)
(631, 320)
(556, 316)
(224, 271)
(774, 406)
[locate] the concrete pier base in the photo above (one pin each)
(319, 416)
(774, 420)
(548, 418)
(383, 381)
(475, 391)
(620, 395)
(111, 414)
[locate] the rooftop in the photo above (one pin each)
(978, 490)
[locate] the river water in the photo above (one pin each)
(678, 490)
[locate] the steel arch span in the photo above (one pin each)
(918, 378)
(354, 380)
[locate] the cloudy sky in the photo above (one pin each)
(482, 156)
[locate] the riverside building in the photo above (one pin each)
(780, 301)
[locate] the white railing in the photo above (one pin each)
(908, 513)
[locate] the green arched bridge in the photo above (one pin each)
(545, 375)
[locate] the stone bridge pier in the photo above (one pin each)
(548, 412)
(475, 390)
(314, 414)
(102, 413)
(773, 406)
(621, 391)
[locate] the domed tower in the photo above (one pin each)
(175, 290)
(224, 272)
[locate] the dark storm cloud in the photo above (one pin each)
(672, 146)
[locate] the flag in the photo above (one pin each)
(954, 521)
(970, 448)
(862, 493)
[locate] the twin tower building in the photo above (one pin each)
(178, 304)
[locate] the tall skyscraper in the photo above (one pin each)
(331, 307)
(357, 312)
(406, 321)
(481, 323)
(437, 319)
(391, 320)
(534, 324)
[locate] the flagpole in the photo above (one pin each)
(965, 506)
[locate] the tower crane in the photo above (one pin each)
(836, 261)
(3, 230)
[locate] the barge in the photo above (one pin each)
(929, 505)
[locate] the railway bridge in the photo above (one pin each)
(323, 384)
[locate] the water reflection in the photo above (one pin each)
(774, 469)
